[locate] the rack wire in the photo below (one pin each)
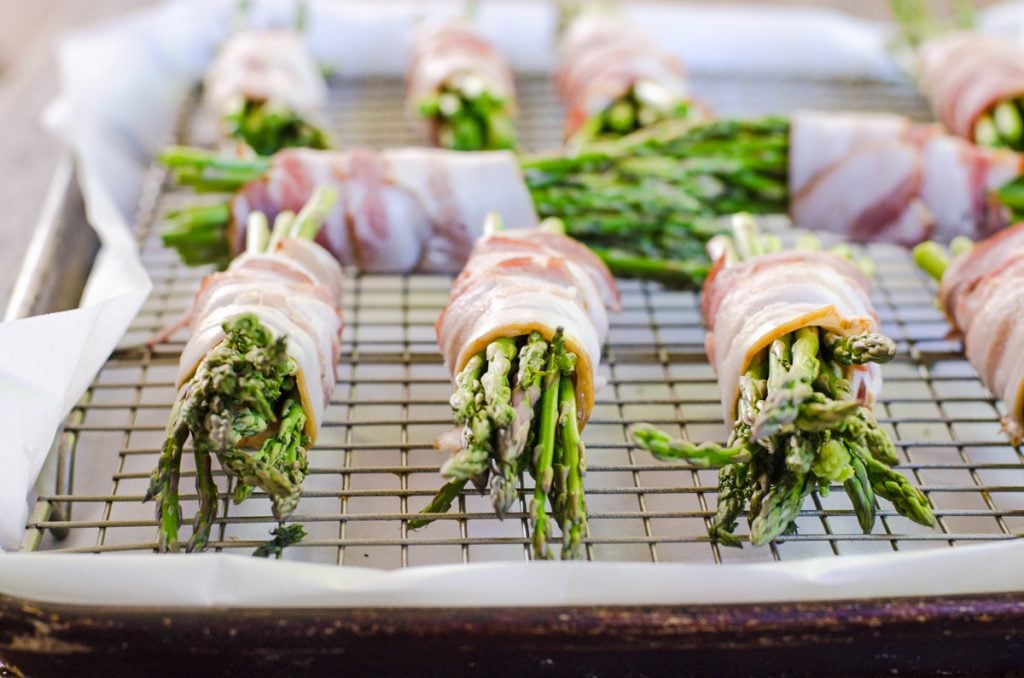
(374, 465)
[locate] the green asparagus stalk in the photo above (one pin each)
(543, 457)
(574, 516)
(267, 130)
(894, 486)
(283, 537)
(703, 455)
(466, 116)
(860, 349)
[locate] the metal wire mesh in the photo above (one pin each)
(374, 465)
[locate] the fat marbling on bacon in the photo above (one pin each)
(964, 74)
(445, 53)
(295, 291)
(273, 66)
(750, 304)
(398, 210)
(881, 177)
(982, 293)
(529, 280)
(600, 59)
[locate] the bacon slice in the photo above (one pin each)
(982, 293)
(447, 54)
(600, 59)
(521, 281)
(296, 292)
(881, 178)
(965, 74)
(272, 66)
(749, 305)
(399, 210)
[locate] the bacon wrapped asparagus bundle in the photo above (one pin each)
(979, 292)
(399, 210)
(613, 79)
(522, 337)
(976, 86)
(461, 88)
(256, 375)
(265, 91)
(795, 344)
(974, 82)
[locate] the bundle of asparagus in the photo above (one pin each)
(256, 375)
(975, 82)
(795, 345)
(460, 85)
(614, 80)
(981, 291)
(265, 91)
(522, 336)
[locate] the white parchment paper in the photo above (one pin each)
(122, 83)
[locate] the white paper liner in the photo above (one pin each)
(237, 581)
(122, 83)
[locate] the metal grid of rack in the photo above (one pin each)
(374, 465)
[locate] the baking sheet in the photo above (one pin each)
(113, 125)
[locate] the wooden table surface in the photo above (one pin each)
(29, 80)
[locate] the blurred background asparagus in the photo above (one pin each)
(467, 116)
(798, 427)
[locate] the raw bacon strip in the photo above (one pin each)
(752, 303)
(601, 60)
(461, 87)
(982, 293)
(520, 281)
(879, 177)
(399, 210)
(966, 74)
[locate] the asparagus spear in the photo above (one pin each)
(498, 401)
(543, 456)
(267, 130)
(468, 403)
(574, 518)
(703, 455)
(869, 347)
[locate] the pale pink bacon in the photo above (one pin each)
(448, 54)
(272, 66)
(982, 293)
(521, 281)
(600, 59)
(965, 74)
(880, 177)
(295, 291)
(399, 210)
(750, 304)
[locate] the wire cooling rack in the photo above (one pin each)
(374, 465)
